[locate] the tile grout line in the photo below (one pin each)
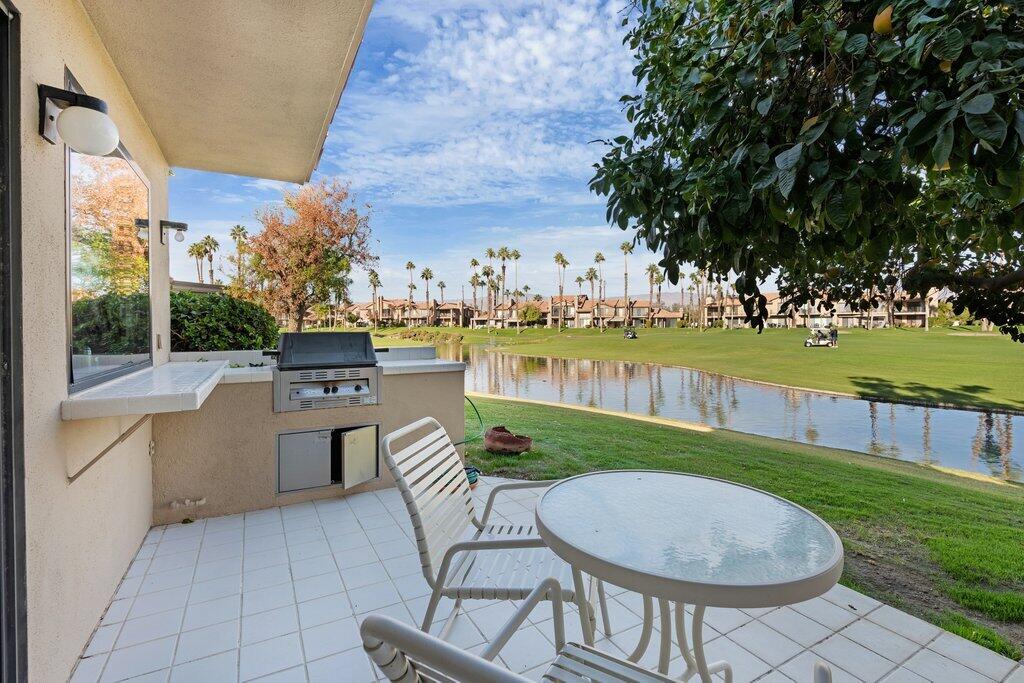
(124, 621)
(184, 610)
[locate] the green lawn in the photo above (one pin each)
(939, 366)
(947, 548)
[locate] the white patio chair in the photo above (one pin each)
(405, 655)
(497, 562)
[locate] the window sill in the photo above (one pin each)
(167, 388)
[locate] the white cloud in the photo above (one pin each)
(499, 103)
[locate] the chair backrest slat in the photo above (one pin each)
(430, 476)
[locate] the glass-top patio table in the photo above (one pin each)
(687, 539)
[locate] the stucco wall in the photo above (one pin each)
(79, 536)
(225, 451)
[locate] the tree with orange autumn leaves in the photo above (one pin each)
(109, 248)
(308, 247)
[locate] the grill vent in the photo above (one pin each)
(324, 375)
(306, 404)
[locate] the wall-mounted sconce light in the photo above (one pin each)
(165, 226)
(79, 120)
(178, 228)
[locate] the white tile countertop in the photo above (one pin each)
(389, 367)
(167, 388)
(184, 385)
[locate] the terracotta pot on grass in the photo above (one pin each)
(500, 440)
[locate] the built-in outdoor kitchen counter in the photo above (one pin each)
(235, 453)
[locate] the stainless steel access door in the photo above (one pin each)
(303, 460)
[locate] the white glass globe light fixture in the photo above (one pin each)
(80, 120)
(87, 131)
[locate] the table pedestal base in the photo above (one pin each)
(696, 662)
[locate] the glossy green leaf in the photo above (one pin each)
(949, 45)
(980, 104)
(789, 158)
(943, 146)
(989, 127)
(856, 44)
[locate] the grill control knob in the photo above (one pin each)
(357, 388)
(334, 390)
(327, 390)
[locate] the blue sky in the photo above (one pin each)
(466, 124)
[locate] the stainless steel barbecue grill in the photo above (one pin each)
(325, 370)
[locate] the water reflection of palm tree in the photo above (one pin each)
(661, 387)
(651, 409)
(1004, 432)
(926, 436)
(873, 446)
(810, 432)
(625, 384)
(993, 444)
(791, 407)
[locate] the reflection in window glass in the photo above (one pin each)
(109, 256)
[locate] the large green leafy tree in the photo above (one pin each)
(837, 145)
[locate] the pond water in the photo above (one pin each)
(963, 439)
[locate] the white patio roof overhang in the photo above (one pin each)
(247, 88)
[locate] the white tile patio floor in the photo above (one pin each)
(278, 594)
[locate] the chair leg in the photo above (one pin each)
(428, 617)
(604, 608)
(450, 621)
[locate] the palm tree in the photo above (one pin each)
(410, 266)
(238, 234)
(652, 277)
(591, 277)
(196, 251)
(515, 256)
(408, 317)
(210, 247)
(579, 283)
(441, 285)
(659, 280)
(473, 265)
(427, 275)
(598, 260)
(626, 248)
(475, 282)
(491, 255)
(503, 255)
(488, 274)
(374, 286)
(561, 264)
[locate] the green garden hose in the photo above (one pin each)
(480, 419)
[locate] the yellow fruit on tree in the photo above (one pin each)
(945, 65)
(883, 21)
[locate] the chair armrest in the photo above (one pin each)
(509, 487)
(548, 589)
(483, 544)
(382, 635)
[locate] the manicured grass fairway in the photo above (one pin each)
(963, 368)
(947, 548)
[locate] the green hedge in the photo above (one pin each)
(217, 322)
